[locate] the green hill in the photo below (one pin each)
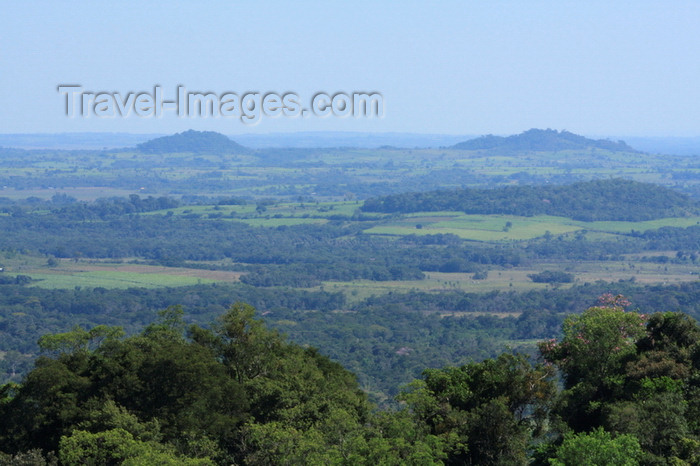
(618, 199)
(198, 142)
(541, 140)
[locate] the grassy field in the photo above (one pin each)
(81, 194)
(510, 227)
(466, 226)
(112, 280)
(69, 274)
(91, 274)
(516, 279)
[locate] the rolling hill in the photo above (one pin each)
(617, 199)
(198, 142)
(539, 140)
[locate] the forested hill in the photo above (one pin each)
(541, 140)
(198, 142)
(615, 199)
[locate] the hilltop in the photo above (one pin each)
(541, 140)
(198, 142)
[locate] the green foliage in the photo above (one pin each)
(78, 339)
(594, 350)
(276, 443)
(237, 392)
(658, 422)
(631, 374)
(387, 439)
(486, 413)
(428, 338)
(549, 276)
(161, 397)
(243, 343)
(109, 415)
(396, 439)
(598, 448)
(34, 457)
(16, 280)
(595, 345)
(588, 201)
(170, 324)
(117, 446)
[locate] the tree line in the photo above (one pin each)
(618, 199)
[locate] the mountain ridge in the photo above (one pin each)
(540, 140)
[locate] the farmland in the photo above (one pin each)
(310, 237)
(488, 229)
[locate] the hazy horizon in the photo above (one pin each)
(682, 146)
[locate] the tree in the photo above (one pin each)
(161, 397)
(631, 374)
(117, 446)
(598, 448)
(595, 345)
(34, 457)
(485, 412)
(78, 339)
(591, 357)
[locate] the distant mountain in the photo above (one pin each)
(541, 140)
(198, 142)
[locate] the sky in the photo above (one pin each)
(603, 68)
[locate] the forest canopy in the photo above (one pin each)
(616, 199)
(237, 392)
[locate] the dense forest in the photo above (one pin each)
(236, 392)
(385, 340)
(588, 201)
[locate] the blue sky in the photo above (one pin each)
(597, 68)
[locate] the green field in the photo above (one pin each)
(516, 279)
(109, 279)
(510, 227)
(93, 274)
(467, 226)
